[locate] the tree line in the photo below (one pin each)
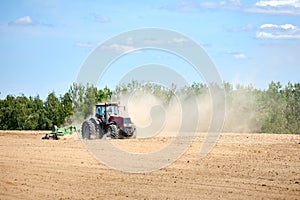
(32, 113)
(273, 110)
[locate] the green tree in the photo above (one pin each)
(292, 111)
(84, 99)
(54, 111)
(274, 108)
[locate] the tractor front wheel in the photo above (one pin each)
(113, 131)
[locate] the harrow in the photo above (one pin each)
(59, 132)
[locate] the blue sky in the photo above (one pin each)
(43, 43)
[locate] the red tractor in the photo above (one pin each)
(107, 121)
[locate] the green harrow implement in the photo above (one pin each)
(59, 132)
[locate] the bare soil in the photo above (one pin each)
(240, 166)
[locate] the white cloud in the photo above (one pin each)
(277, 3)
(184, 6)
(178, 41)
(102, 19)
(84, 45)
(273, 7)
(237, 55)
(26, 20)
(119, 47)
(192, 5)
(285, 7)
(274, 31)
(288, 26)
(230, 4)
(268, 26)
(248, 27)
(131, 44)
(285, 26)
(129, 40)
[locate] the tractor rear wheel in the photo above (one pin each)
(87, 129)
(98, 130)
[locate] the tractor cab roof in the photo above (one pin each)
(108, 104)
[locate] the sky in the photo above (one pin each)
(43, 43)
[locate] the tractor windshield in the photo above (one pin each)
(102, 110)
(112, 110)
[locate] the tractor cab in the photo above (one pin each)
(105, 110)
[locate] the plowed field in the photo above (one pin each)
(240, 166)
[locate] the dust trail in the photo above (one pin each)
(242, 115)
(154, 117)
(151, 115)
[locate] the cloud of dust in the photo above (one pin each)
(151, 115)
(154, 118)
(241, 113)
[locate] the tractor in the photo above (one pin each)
(107, 122)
